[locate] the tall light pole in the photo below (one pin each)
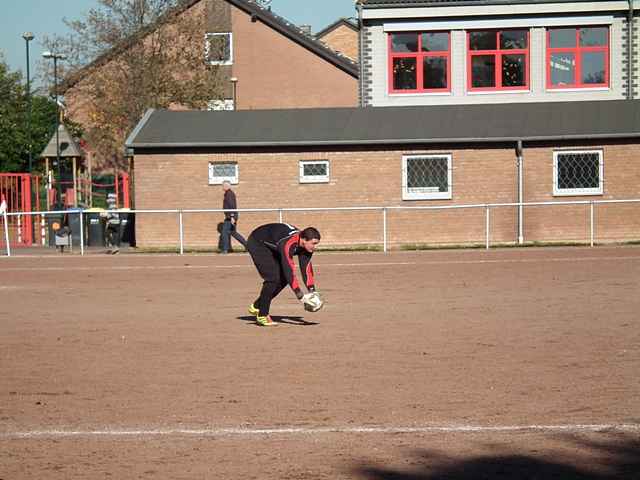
(56, 57)
(234, 82)
(28, 36)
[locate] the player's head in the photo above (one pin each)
(309, 239)
(226, 185)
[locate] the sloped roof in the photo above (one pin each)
(68, 146)
(388, 125)
(434, 3)
(265, 15)
(335, 25)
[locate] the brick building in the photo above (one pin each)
(341, 36)
(395, 156)
(274, 63)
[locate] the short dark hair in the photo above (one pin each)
(310, 233)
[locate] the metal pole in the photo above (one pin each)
(487, 226)
(592, 226)
(6, 233)
(181, 234)
(81, 232)
(28, 37)
(520, 193)
(385, 247)
(55, 81)
(280, 215)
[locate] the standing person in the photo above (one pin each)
(230, 219)
(272, 248)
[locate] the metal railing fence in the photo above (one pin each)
(180, 213)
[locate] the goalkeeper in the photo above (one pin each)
(272, 248)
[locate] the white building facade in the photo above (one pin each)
(430, 52)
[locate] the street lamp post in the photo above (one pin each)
(28, 36)
(234, 82)
(55, 58)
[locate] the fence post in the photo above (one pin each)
(591, 223)
(280, 215)
(81, 232)
(43, 231)
(6, 233)
(19, 229)
(487, 226)
(181, 233)
(385, 247)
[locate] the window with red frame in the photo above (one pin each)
(578, 57)
(419, 62)
(498, 60)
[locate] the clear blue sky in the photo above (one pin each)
(44, 17)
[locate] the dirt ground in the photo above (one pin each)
(460, 364)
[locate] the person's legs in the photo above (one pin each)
(237, 236)
(226, 236)
(269, 269)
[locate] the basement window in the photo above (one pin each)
(426, 177)
(218, 48)
(577, 172)
(314, 171)
(223, 171)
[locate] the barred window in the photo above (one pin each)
(577, 172)
(426, 177)
(223, 171)
(218, 48)
(314, 171)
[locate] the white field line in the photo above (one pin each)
(321, 265)
(284, 431)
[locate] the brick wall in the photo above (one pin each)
(344, 40)
(373, 177)
(276, 72)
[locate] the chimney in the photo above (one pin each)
(306, 29)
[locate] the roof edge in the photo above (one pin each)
(267, 17)
(333, 26)
(141, 124)
(384, 142)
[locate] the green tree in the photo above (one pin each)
(16, 132)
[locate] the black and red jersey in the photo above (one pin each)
(284, 239)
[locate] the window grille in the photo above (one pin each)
(223, 171)
(426, 177)
(578, 172)
(316, 171)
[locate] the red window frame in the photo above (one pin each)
(419, 56)
(498, 53)
(577, 52)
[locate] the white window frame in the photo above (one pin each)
(220, 105)
(215, 180)
(314, 178)
(426, 195)
(207, 44)
(568, 192)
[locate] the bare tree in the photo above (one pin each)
(126, 56)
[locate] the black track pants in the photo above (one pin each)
(268, 265)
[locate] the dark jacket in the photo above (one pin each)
(229, 203)
(284, 239)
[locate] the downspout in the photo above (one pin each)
(630, 70)
(360, 53)
(519, 162)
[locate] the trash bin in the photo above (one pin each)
(54, 223)
(73, 218)
(95, 227)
